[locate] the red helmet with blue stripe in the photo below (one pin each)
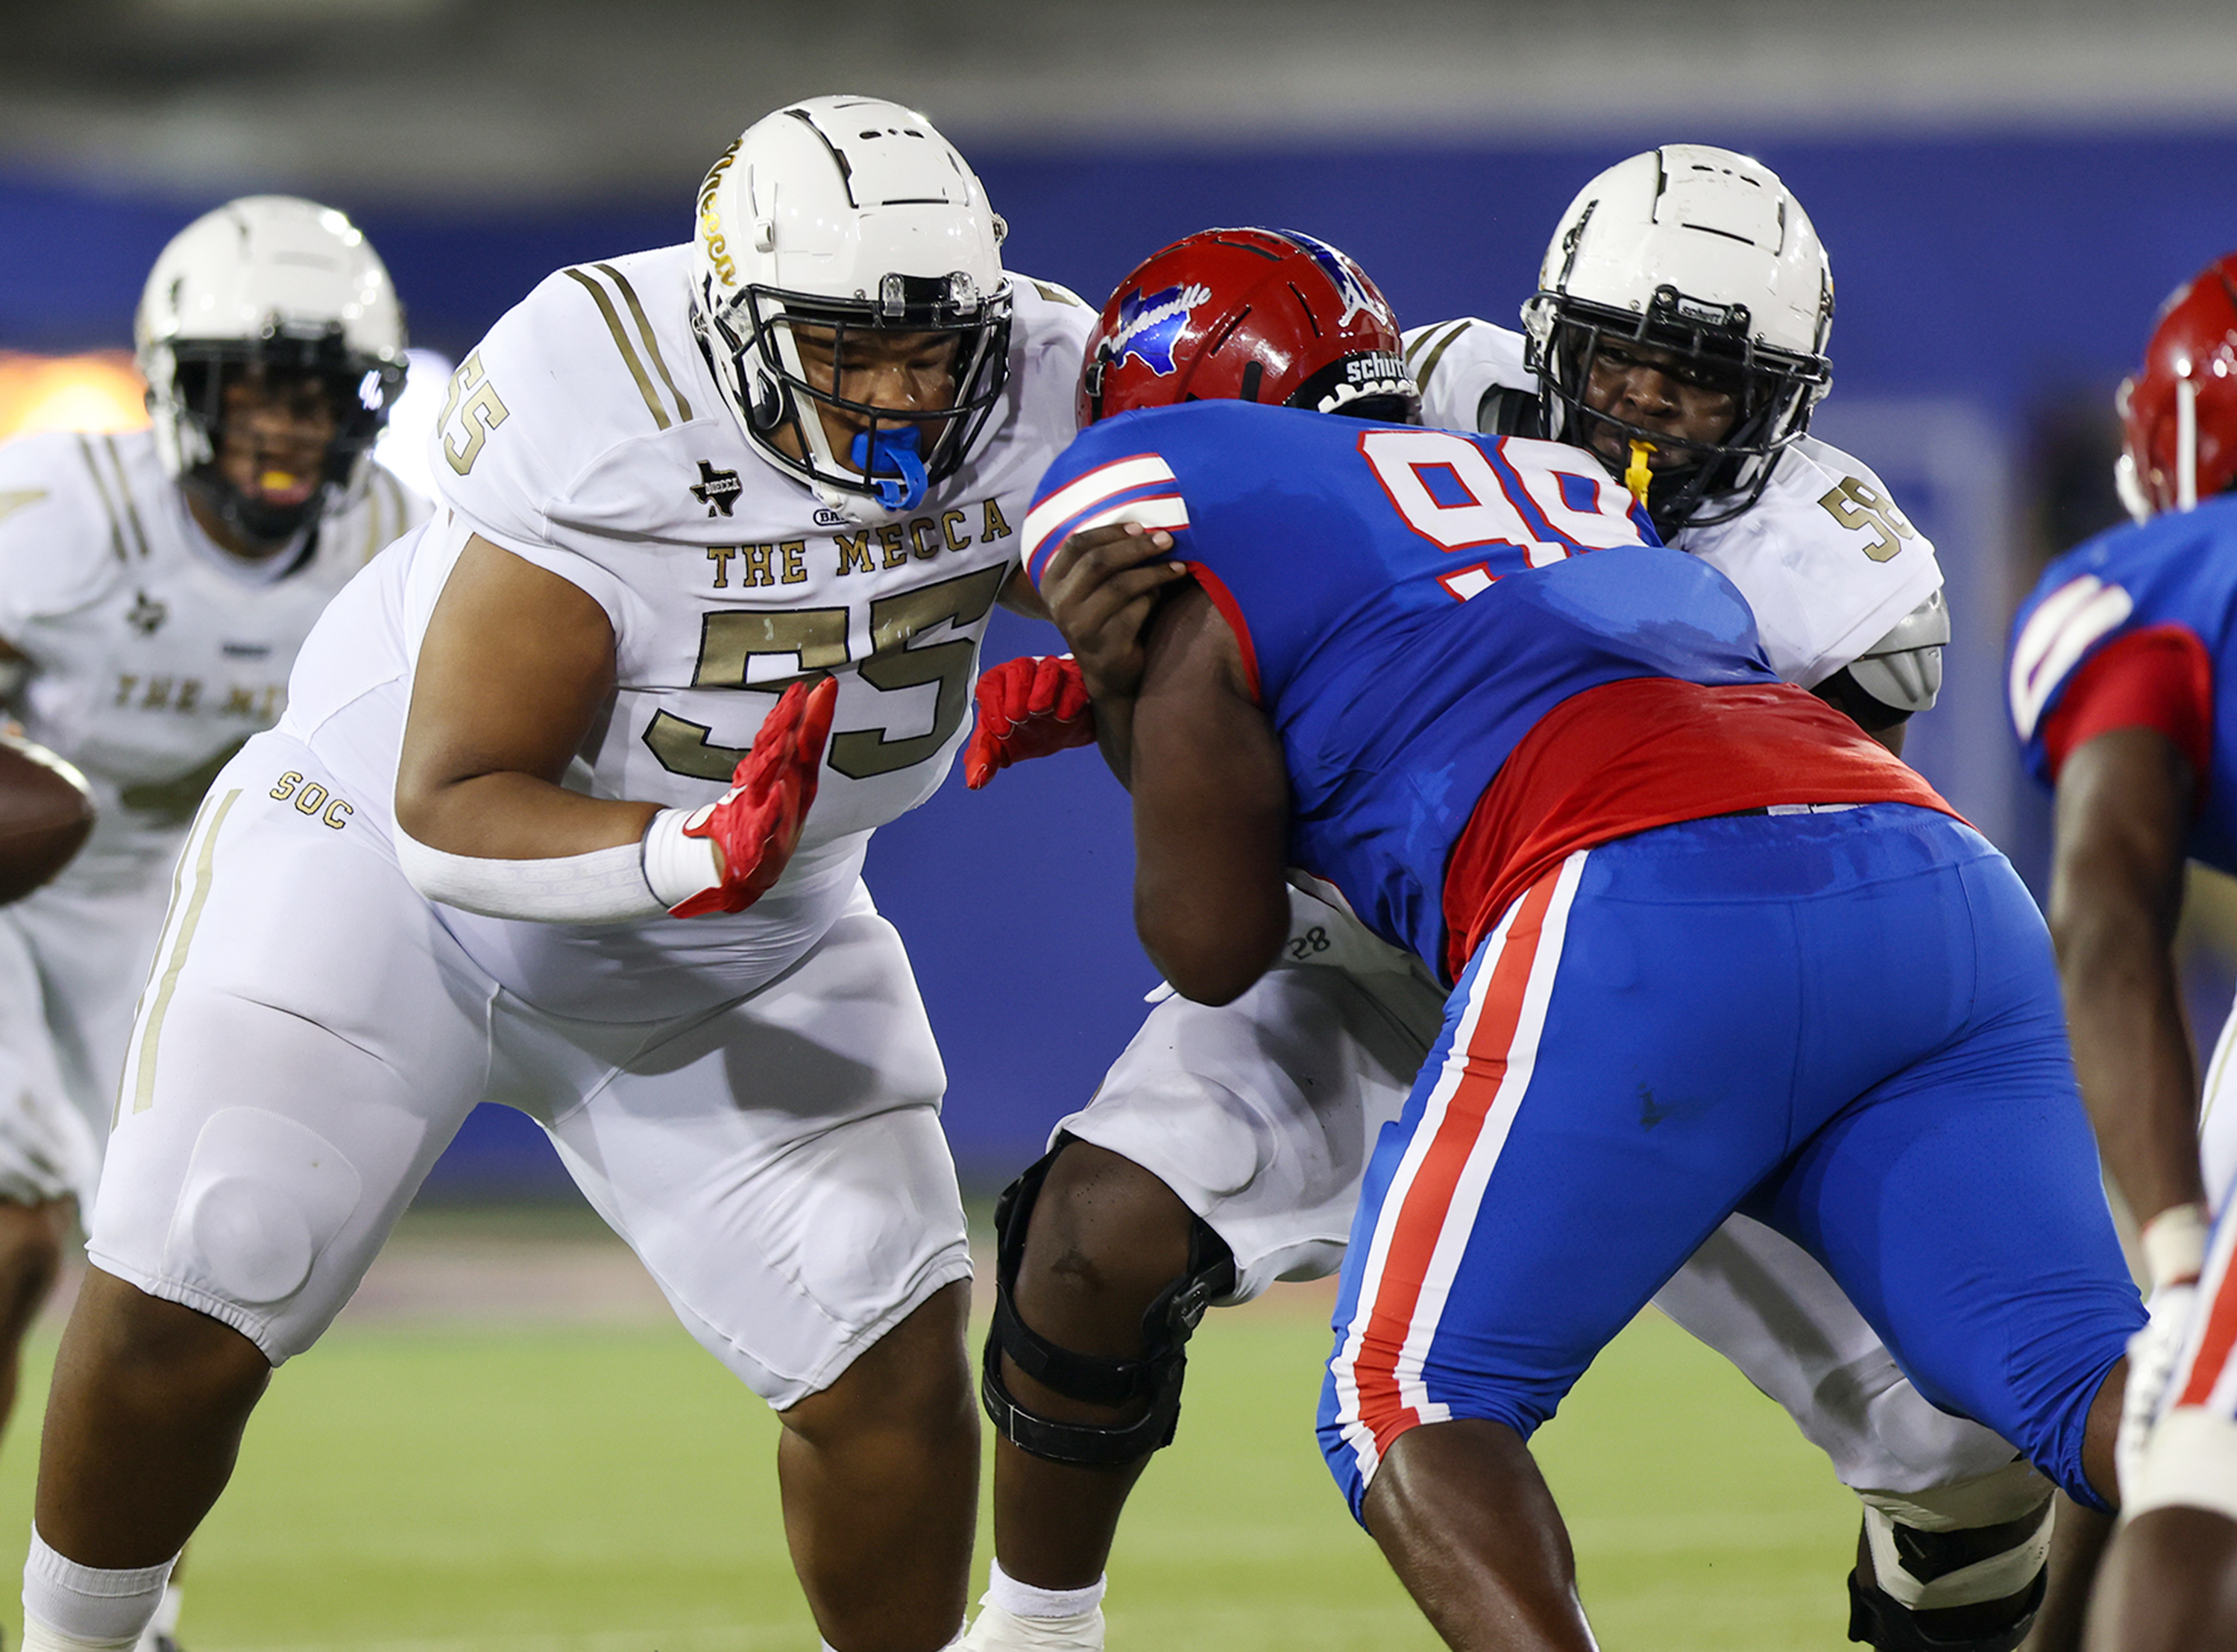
(1254, 315)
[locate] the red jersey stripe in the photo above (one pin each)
(1646, 752)
(2212, 1356)
(2160, 677)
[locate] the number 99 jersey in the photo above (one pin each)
(1351, 559)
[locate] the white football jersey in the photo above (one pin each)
(586, 435)
(153, 654)
(1823, 557)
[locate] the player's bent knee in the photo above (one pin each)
(1960, 1566)
(1103, 1232)
(30, 1258)
(1149, 1380)
(915, 1380)
(262, 1198)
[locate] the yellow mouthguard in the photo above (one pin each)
(1637, 476)
(276, 480)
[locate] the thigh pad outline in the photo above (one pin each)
(262, 1197)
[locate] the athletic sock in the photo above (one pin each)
(957, 1642)
(1025, 1600)
(164, 1625)
(70, 1607)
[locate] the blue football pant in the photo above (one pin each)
(1847, 1024)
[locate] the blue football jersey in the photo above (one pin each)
(2177, 570)
(1409, 604)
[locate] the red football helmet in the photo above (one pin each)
(1254, 315)
(2178, 413)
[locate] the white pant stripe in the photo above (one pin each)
(1357, 1434)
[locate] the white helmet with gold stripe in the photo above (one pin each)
(829, 217)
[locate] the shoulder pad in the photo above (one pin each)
(1903, 670)
(1055, 292)
(1459, 365)
(70, 524)
(1925, 626)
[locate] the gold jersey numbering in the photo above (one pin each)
(731, 640)
(1857, 503)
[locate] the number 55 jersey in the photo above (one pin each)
(586, 435)
(752, 1101)
(1544, 638)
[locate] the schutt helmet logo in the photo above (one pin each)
(1150, 325)
(717, 489)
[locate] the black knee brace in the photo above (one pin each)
(1881, 1622)
(1170, 1319)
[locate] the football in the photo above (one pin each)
(46, 811)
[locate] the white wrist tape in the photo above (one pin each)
(2174, 1244)
(678, 867)
(604, 887)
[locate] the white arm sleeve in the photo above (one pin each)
(604, 887)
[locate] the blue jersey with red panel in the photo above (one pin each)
(2177, 573)
(1410, 602)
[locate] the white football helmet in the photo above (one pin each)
(270, 286)
(1704, 252)
(843, 214)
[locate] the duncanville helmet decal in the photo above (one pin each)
(1150, 325)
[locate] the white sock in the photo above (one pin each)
(166, 1620)
(1024, 1600)
(70, 1607)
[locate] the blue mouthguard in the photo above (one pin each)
(888, 462)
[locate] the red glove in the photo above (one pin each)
(756, 826)
(1028, 708)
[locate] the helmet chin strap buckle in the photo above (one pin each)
(889, 463)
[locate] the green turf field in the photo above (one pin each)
(421, 1488)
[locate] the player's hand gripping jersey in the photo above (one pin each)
(586, 436)
(1373, 554)
(1825, 558)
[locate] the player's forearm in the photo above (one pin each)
(2133, 1056)
(2123, 808)
(510, 816)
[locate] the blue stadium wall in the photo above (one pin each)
(1979, 278)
